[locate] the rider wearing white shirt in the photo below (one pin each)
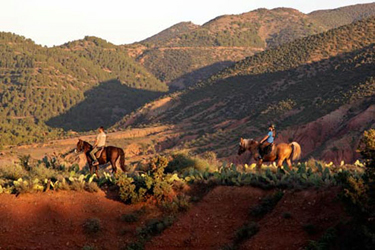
(99, 143)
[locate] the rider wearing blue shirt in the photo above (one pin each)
(270, 137)
(267, 141)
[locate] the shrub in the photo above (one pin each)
(135, 246)
(246, 232)
(43, 172)
(127, 189)
(325, 242)
(92, 226)
(155, 226)
(13, 172)
(89, 248)
(130, 218)
(182, 162)
(287, 215)
(155, 184)
(367, 147)
(179, 203)
(24, 160)
(367, 150)
(91, 187)
(267, 204)
(310, 229)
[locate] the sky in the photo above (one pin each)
(55, 22)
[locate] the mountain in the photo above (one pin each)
(39, 85)
(319, 91)
(179, 60)
(46, 92)
(178, 54)
(345, 15)
(171, 32)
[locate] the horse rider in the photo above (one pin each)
(267, 141)
(98, 145)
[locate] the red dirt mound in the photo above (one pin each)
(311, 213)
(212, 222)
(55, 221)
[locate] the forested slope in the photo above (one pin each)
(322, 81)
(39, 83)
(177, 54)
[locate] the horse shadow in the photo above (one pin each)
(103, 105)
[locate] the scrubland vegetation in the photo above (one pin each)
(174, 182)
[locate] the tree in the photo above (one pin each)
(367, 148)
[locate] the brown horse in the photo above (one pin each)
(280, 152)
(108, 154)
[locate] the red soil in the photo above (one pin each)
(212, 222)
(320, 209)
(55, 221)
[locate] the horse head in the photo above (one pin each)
(80, 146)
(246, 144)
(242, 146)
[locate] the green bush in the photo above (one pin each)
(246, 232)
(13, 172)
(267, 204)
(130, 218)
(182, 162)
(155, 184)
(43, 172)
(89, 248)
(367, 147)
(287, 215)
(326, 241)
(92, 226)
(91, 187)
(310, 229)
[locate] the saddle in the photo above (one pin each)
(267, 149)
(100, 151)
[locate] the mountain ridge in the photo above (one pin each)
(249, 32)
(304, 81)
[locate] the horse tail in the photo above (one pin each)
(122, 159)
(296, 151)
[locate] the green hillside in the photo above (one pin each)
(80, 85)
(171, 32)
(176, 55)
(293, 85)
(39, 83)
(345, 15)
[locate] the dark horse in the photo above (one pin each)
(279, 153)
(108, 154)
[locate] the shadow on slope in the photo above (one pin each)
(104, 105)
(191, 78)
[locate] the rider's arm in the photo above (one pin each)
(264, 139)
(96, 142)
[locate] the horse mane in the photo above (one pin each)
(85, 144)
(247, 141)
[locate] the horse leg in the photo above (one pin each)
(113, 164)
(289, 162)
(280, 162)
(259, 164)
(89, 163)
(96, 171)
